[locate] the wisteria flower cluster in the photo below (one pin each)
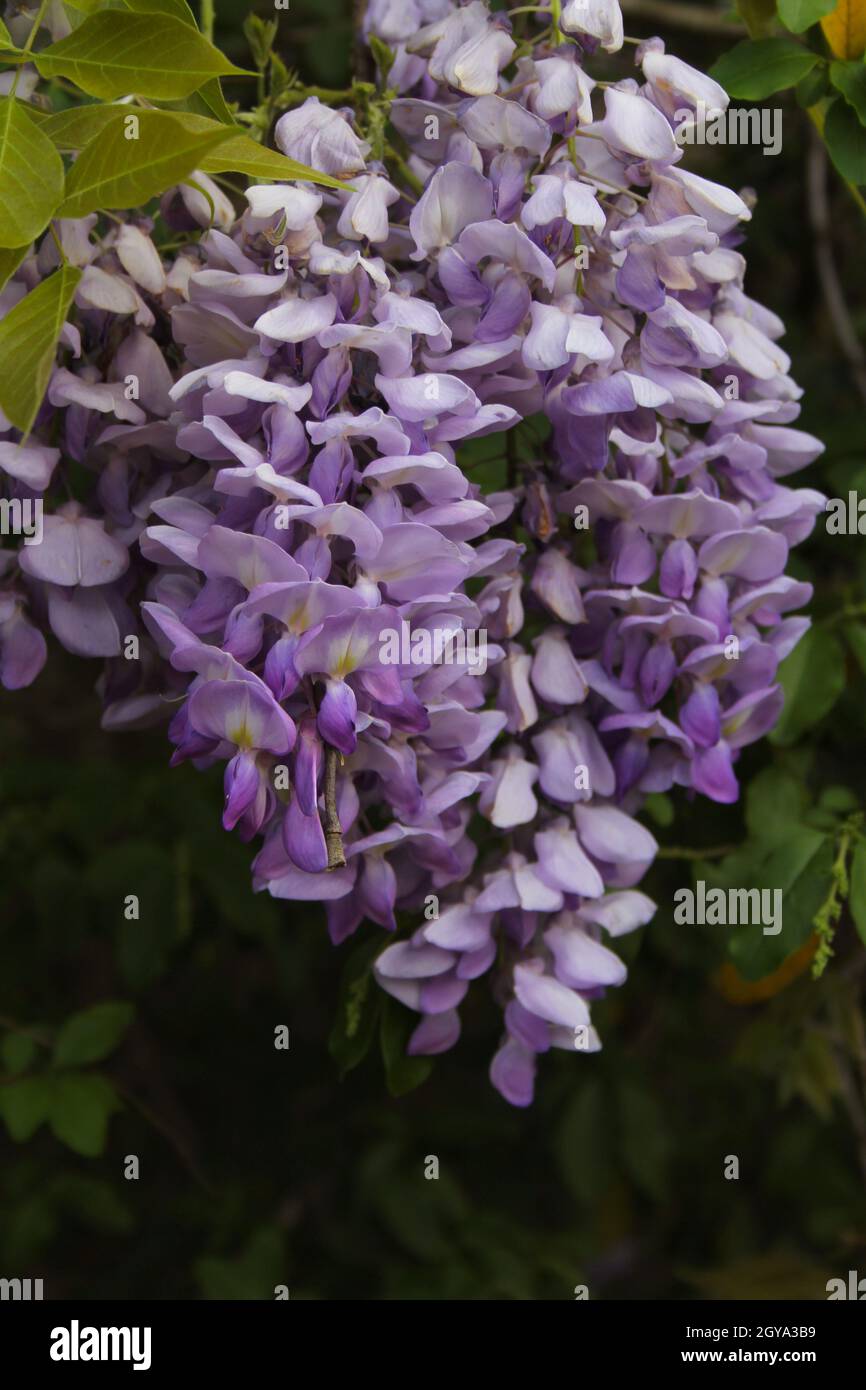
(283, 510)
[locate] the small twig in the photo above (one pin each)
(179, 1145)
(31, 39)
(679, 16)
(174, 1140)
(675, 852)
(834, 295)
(333, 829)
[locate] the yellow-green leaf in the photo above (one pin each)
(857, 898)
(10, 259)
(209, 101)
(758, 16)
(800, 15)
(28, 339)
(243, 155)
(178, 8)
(31, 176)
(115, 172)
(845, 29)
(114, 53)
(78, 125)
(6, 39)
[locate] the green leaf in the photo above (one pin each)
(845, 141)
(756, 69)
(25, 1105)
(179, 9)
(850, 80)
(838, 801)
(857, 894)
(813, 678)
(856, 900)
(91, 1035)
(31, 176)
(17, 1052)
(113, 54)
(79, 1109)
(855, 635)
(800, 15)
(402, 1073)
(114, 172)
(757, 15)
(775, 804)
(6, 39)
(243, 155)
(28, 339)
(801, 866)
(78, 125)
(357, 1009)
(10, 259)
(208, 101)
(251, 1275)
(811, 88)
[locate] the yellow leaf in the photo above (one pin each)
(845, 29)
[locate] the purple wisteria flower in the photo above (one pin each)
(288, 522)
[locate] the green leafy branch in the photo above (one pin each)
(148, 112)
(76, 1104)
(827, 75)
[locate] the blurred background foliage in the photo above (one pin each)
(260, 1167)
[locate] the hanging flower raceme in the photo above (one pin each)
(588, 278)
(338, 613)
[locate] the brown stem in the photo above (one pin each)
(174, 1140)
(834, 295)
(681, 16)
(181, 1147)
(333, 829)
(715, 852)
